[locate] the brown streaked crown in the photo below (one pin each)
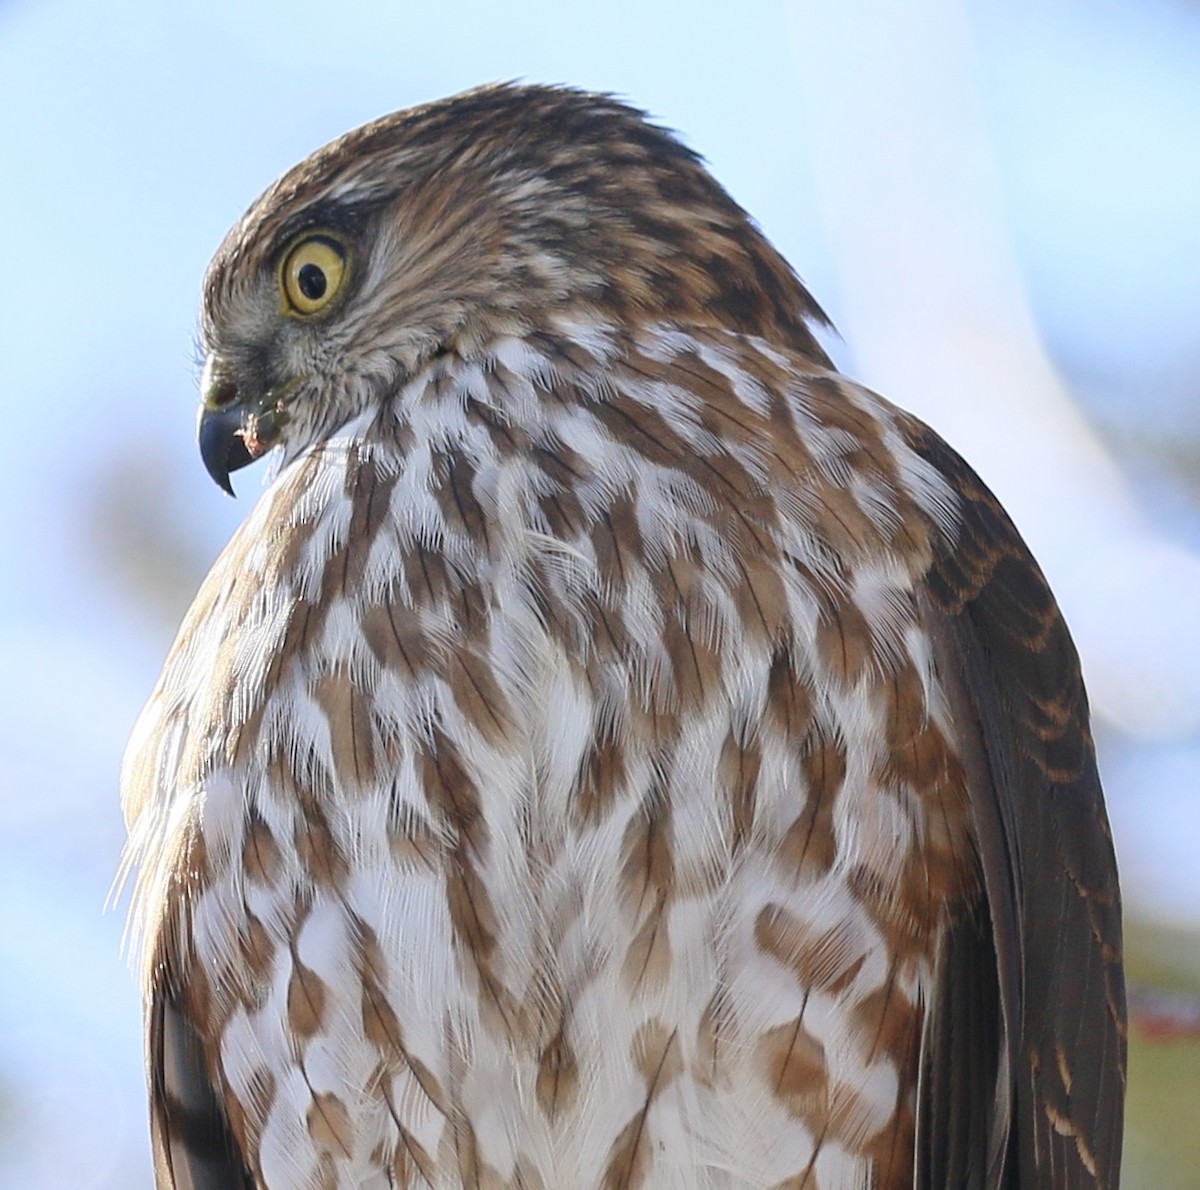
(511, 199)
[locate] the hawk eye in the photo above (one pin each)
(312, 273)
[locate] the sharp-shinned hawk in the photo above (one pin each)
(617, 750)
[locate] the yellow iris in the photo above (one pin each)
(312, 273)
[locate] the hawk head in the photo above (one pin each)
(441, 228)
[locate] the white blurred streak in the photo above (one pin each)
(74, 1115)
(1158, 835)
(933, 305)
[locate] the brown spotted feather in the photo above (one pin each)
(617, 751)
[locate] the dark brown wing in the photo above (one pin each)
(1025, 1042)
(194, 1148)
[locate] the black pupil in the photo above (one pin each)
(311, 279)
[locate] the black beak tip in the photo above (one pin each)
(222, 480)
(222, 447)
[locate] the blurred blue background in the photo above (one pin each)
(997, 202)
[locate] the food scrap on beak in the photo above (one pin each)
(224, 446)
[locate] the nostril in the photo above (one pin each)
(222, 394)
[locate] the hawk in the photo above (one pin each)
(617, 750)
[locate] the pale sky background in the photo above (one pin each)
(998, 203)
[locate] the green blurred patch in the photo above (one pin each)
(1162, 1113)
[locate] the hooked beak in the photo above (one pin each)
(222, 444)
(234, 431)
